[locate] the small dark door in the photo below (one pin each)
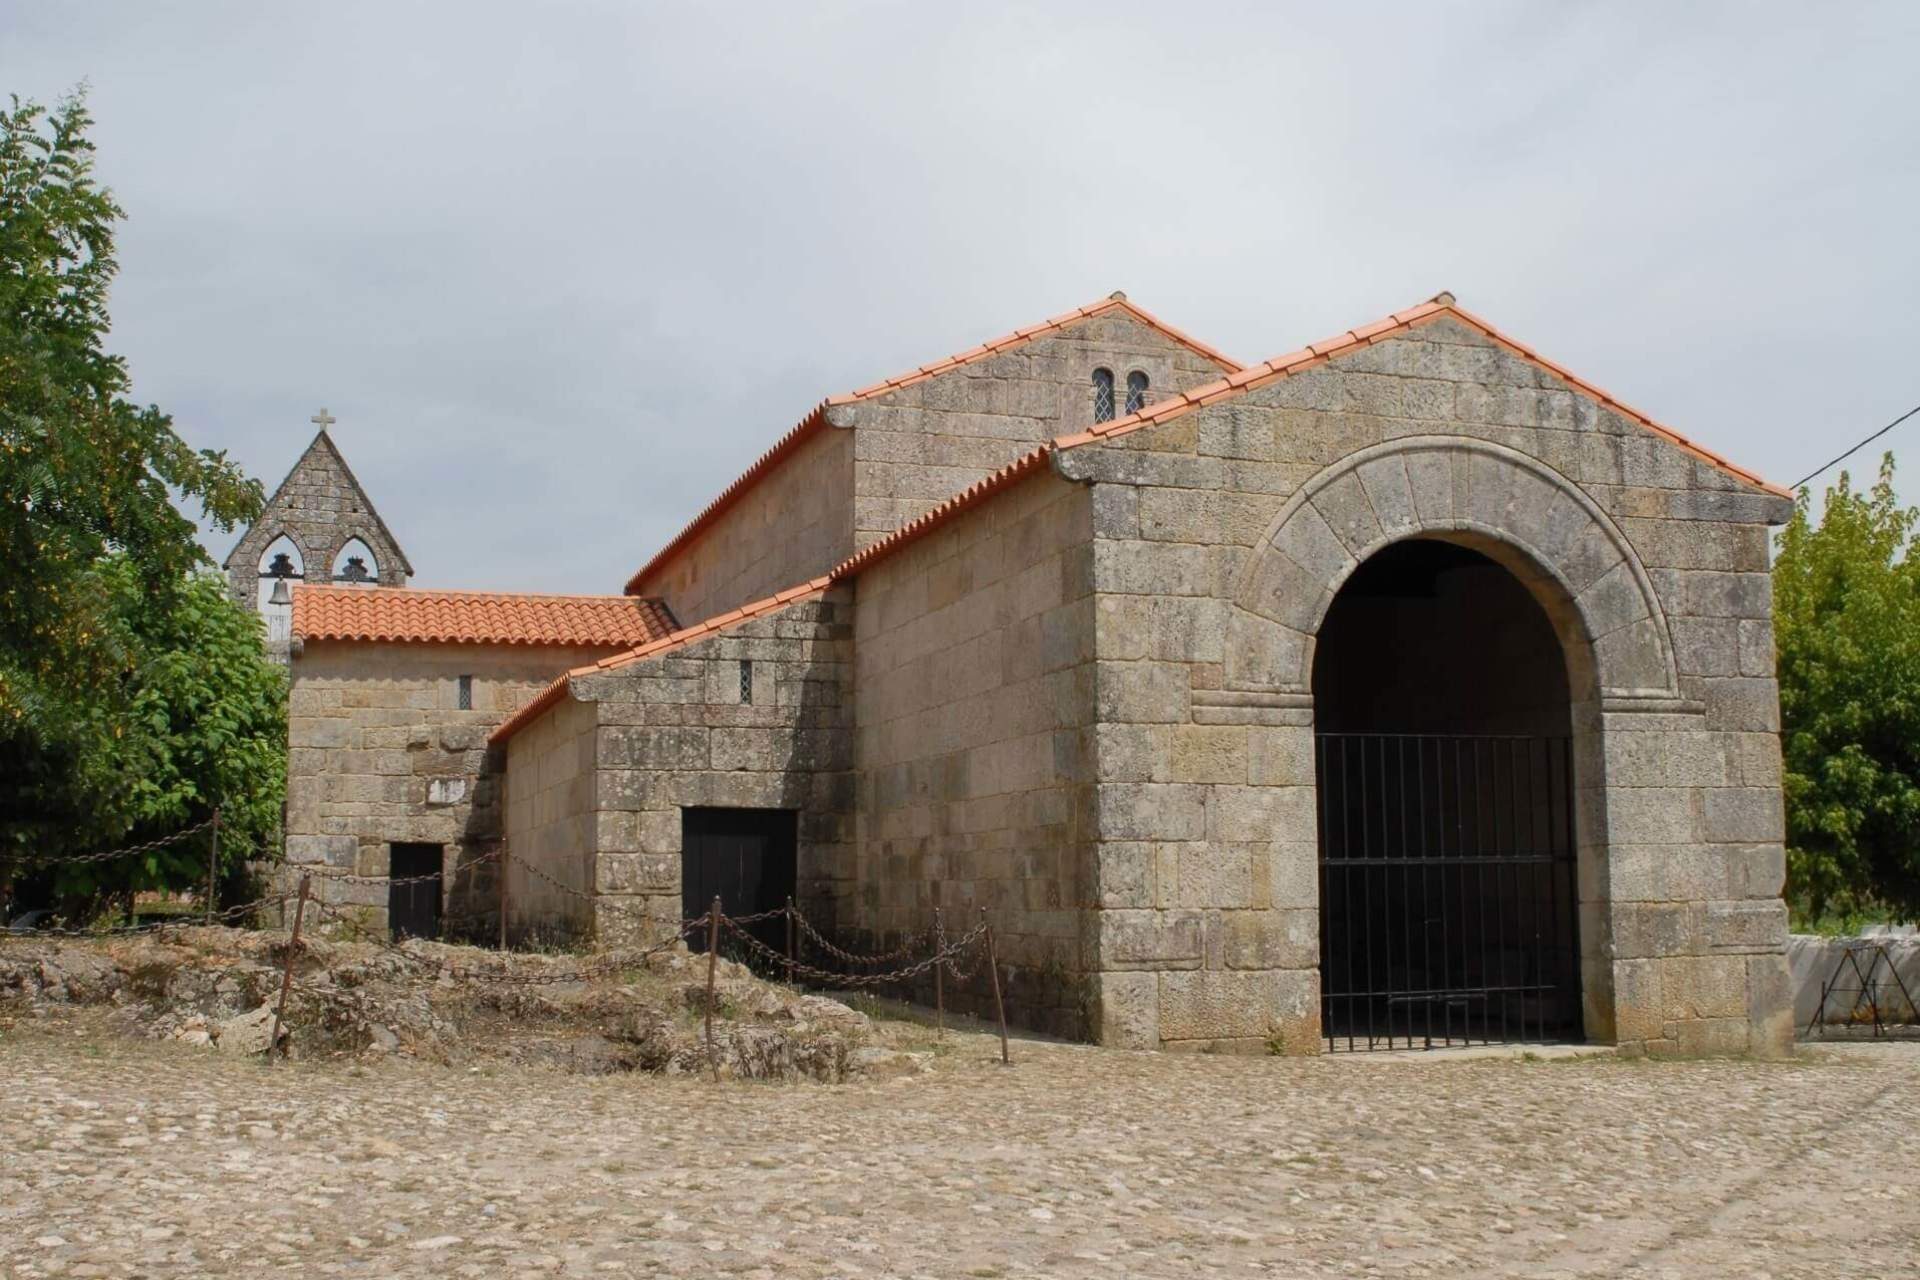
(413, 903)
(743, 856)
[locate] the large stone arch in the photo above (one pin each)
(1544, 530)
(1500, 502)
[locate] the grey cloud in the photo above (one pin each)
(561, 271)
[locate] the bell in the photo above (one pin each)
(281, 594)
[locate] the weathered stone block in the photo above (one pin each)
(1747, 815)
(1214, 875)
(1127, 1010)
(1747, 926)
(1215, 1004)
(1151, 811)
(1149, 939)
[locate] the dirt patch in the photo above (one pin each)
(593, 1015)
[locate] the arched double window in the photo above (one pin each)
(1136, 391)
(1103, 395)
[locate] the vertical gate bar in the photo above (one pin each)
(1482, 847)
(1406, 894)
(1560, 975)
(1523, 822)
(1346, 882)
(1426, 927)
(1446, 924)
(1366, 903)
(1322, 792)
(1427, 941)
(1571, 946)
(1502, 912)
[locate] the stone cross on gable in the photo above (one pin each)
(323, 418)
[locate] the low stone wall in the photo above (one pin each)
(1811, 959)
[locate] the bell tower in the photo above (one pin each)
(319, 526)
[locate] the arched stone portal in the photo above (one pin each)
(1444, 780)
(1567, 572)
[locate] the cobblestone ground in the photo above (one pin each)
(134, 1159)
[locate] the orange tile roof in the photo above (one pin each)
(816, 420)
(412, 615)
(1260, 375)
(679, 639)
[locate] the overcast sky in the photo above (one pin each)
(561, 271)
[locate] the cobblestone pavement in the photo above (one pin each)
(135, 1159)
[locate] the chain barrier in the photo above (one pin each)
(348, 877)
(827, 976)
(195, 921)
(108, 855)
(955, 971)
(912, 944)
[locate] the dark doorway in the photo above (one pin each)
(746, 858)
(413, 899)
(1445, 772)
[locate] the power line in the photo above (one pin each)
(1857, 448)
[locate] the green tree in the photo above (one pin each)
(96, 561)
(1846, 606)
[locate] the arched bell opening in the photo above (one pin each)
(1444, 723)
(355, 565)
(281, 565)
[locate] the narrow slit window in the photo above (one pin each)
(1103, 395)
(464, 694)
(746, 681)
(1136, 391)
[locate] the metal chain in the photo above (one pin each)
(955, 971)
(108, 855)
(348, 877)
(905, 949)
(854, 979)
(196, 920)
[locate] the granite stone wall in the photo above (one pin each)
(379, 752)
(973, 693)
(550, 824)
(886, 459)
(789, 527)
(1221, 538)
(921, 443)
(672, 732)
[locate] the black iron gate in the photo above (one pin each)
(1448, 897)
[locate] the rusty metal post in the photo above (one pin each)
(213, 862)
(939, 975)
(286, 979)
(999, 1005)
(789, 940)
(713, 959)
(501, 871)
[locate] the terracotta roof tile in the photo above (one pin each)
(411, 615)
(815, 421)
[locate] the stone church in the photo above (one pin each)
(1404, 689)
